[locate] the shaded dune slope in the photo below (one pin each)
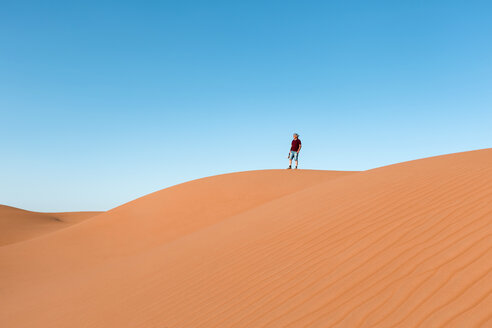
(18, 225)
(145, 223)
(405, 245)
(172, 212)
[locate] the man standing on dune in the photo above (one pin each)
(294, 150)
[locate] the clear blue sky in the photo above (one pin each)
(105, 101)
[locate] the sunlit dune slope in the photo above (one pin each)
(407, 245)
(17, 224)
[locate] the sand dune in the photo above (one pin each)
(406, 245)
(17, 224)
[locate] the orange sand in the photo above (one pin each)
(406, 245)
(17, 225)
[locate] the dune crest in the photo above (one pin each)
(406, 245)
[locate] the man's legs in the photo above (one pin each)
(293, 156)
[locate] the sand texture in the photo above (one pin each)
(406, 245)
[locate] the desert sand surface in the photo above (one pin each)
(405, 245)
(18, 225)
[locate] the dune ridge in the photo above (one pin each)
(405, 245)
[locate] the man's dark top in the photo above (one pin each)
(295, 144)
